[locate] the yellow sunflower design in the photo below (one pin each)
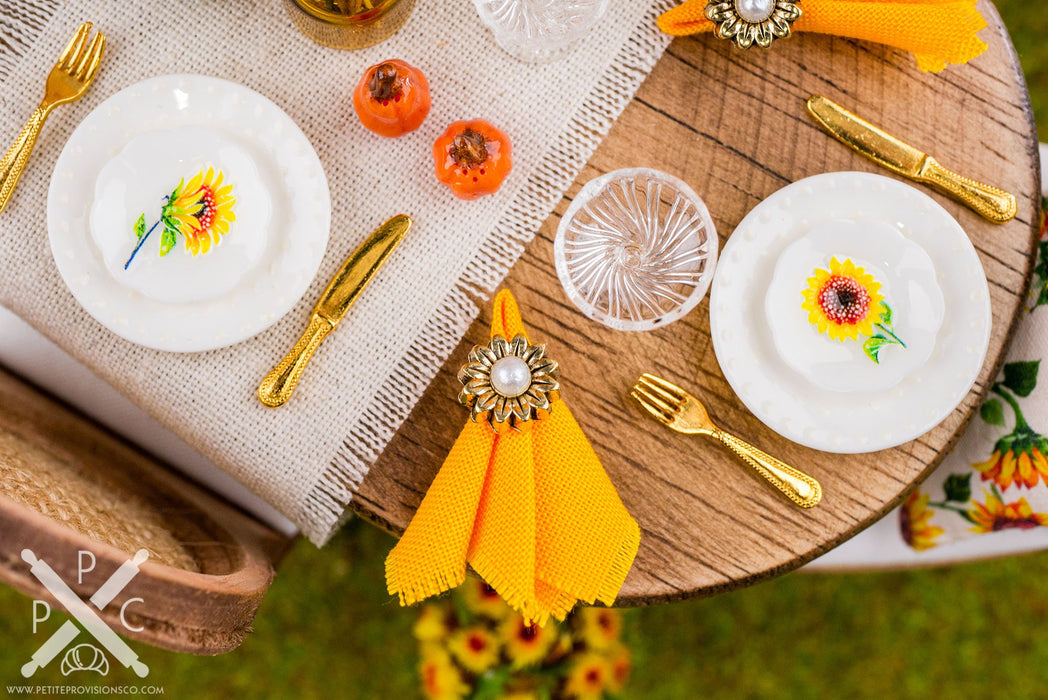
(845, 302)
(1021, 456)
(200, 212)
(915, 522)
(996, 515)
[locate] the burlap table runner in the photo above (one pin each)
(307, 458)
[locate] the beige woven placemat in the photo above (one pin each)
(307, 458)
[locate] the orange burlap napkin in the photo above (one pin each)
(936, 32)
(532, 512)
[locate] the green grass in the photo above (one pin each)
(328, 629)
(1027, 21)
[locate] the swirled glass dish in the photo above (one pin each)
(539, 31)
(636, 249)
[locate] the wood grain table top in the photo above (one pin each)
(733, 125)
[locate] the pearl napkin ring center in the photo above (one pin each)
(749, 22)
(509, 383)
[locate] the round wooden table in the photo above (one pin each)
(733, 125)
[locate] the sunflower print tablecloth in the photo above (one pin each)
(997, 477)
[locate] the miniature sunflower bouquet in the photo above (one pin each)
(473, 645)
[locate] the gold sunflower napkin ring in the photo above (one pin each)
(750, 22)
(509, 383)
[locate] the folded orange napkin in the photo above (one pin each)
(532, 512)
(937, 32)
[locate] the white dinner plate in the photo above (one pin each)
(820, 414)
(130, 152)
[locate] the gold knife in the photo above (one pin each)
(882, 148)
(349, 282)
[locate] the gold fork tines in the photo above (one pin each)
(680, 411)
(68, 81)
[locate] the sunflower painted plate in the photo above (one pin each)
(188, 213)
(850, 312)
(854, 306)
(181, 215)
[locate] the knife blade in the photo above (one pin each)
(344, 289)
(990, 202)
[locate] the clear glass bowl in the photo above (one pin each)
(636, 249)
(539, 31)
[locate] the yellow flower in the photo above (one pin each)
(202, 210)
(621, 664)
(482, 599)
(1019, 459)
(433, 623)
(564, 646)
(441, 680)
(526, 644)
(999, 467)
(475, 647)
(588, 677)
(996, 515)
(914, 517)
(599, 627)
(843, 301)
(521, 695)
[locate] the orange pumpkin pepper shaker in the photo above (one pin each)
(472, 158)
(392, 98)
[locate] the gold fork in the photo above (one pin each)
(68, 80)
(684, 413)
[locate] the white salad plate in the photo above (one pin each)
(827, 394)
(907, 278)
(129, 155)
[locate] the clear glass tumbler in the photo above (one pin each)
(539, 31)
(636, 249)
(349, 24)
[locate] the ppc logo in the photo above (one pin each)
(84, 656)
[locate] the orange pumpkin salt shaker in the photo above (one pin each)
(472, 158)
(392, 98)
